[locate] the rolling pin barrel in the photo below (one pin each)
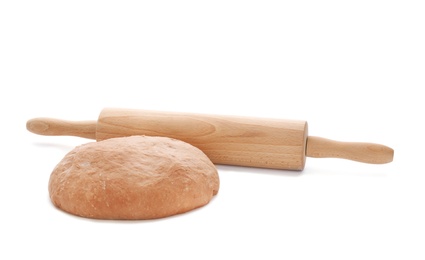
(243, 141)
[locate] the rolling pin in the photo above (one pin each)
(231, 140)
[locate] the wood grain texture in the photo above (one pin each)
(257, 142)
(319, 147)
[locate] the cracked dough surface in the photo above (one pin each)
(137, 177)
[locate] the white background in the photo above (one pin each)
(353, 69)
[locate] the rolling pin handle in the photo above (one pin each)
(50, 126)
(319, 147)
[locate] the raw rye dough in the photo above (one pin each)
(135, 177)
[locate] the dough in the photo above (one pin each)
(137, 177)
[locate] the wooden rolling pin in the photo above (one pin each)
(255, 142)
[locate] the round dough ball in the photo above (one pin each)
(137, 177)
